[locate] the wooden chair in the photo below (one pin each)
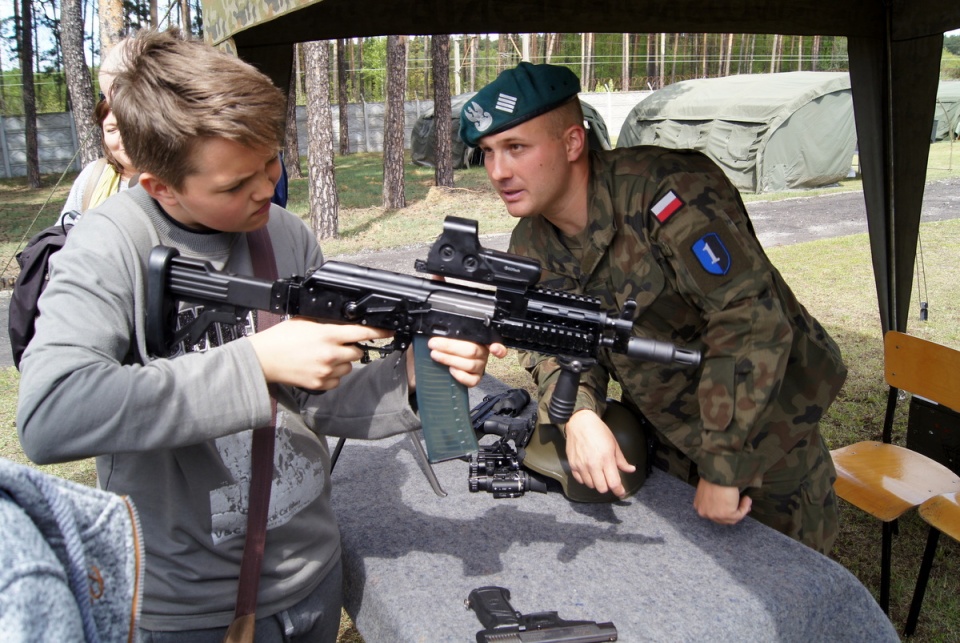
(886, 480)
(942, 513)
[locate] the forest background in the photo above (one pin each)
(53, 69)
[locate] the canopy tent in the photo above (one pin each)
(946, 116)
(767, 131)
(424, 135)
(894, 49)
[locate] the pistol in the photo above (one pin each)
(503, 624)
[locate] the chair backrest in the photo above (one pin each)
(923, 368)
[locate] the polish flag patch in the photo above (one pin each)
(666, 206)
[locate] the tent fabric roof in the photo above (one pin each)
(755, 98)
(278, 21)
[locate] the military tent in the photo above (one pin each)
(946, 117)
(767, 131)
(424, 135)
(894, 48)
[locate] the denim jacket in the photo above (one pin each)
(71, 561)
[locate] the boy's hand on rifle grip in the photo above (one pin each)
(313, 356)
(467, 361)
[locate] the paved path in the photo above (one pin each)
(776, 222)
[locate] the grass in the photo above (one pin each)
(833, 278)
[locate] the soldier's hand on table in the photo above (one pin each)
(594, 455)
(722, 505)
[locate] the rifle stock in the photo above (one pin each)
(514, 312)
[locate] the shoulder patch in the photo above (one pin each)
(666, 206)
(712, 254)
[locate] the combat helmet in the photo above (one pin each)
(545, 454)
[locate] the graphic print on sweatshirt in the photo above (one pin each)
(297, 479)
(216, 334)
(297, 482)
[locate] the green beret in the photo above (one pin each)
(517, 95)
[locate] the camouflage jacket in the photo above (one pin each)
(667, 229)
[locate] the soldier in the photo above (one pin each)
(667, 229)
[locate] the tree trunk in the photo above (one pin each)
(473, 63)
(29, 94)
(704, 57)
(427, 64)
(324, 203)
(741, 53)
(342, 97)
(625, 65)
(673, 63)
(501, 52)
(726, 67)
(456, 66)
(775, 53)
(586, 61)
(440, 53)
(79, 82)
(393, 122)
(185, 20)
(291, 138)
(353, 70)
(111, 24)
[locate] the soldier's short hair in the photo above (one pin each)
(173, 92)
(562, 117)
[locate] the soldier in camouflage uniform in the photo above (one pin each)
(667, 229)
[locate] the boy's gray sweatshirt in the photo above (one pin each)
(174, 434)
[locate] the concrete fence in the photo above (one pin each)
(57, 134)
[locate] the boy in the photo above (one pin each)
(174, 434)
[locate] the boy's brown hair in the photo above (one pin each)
(174, 92)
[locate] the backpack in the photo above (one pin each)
(34, 273)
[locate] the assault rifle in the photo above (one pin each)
(503, 623)
(514, 312)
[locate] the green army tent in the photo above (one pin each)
(424, 135)
(767, 131)
(946, 116)
(894, 49)
(423, 138)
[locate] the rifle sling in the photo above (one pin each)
(264, 266)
